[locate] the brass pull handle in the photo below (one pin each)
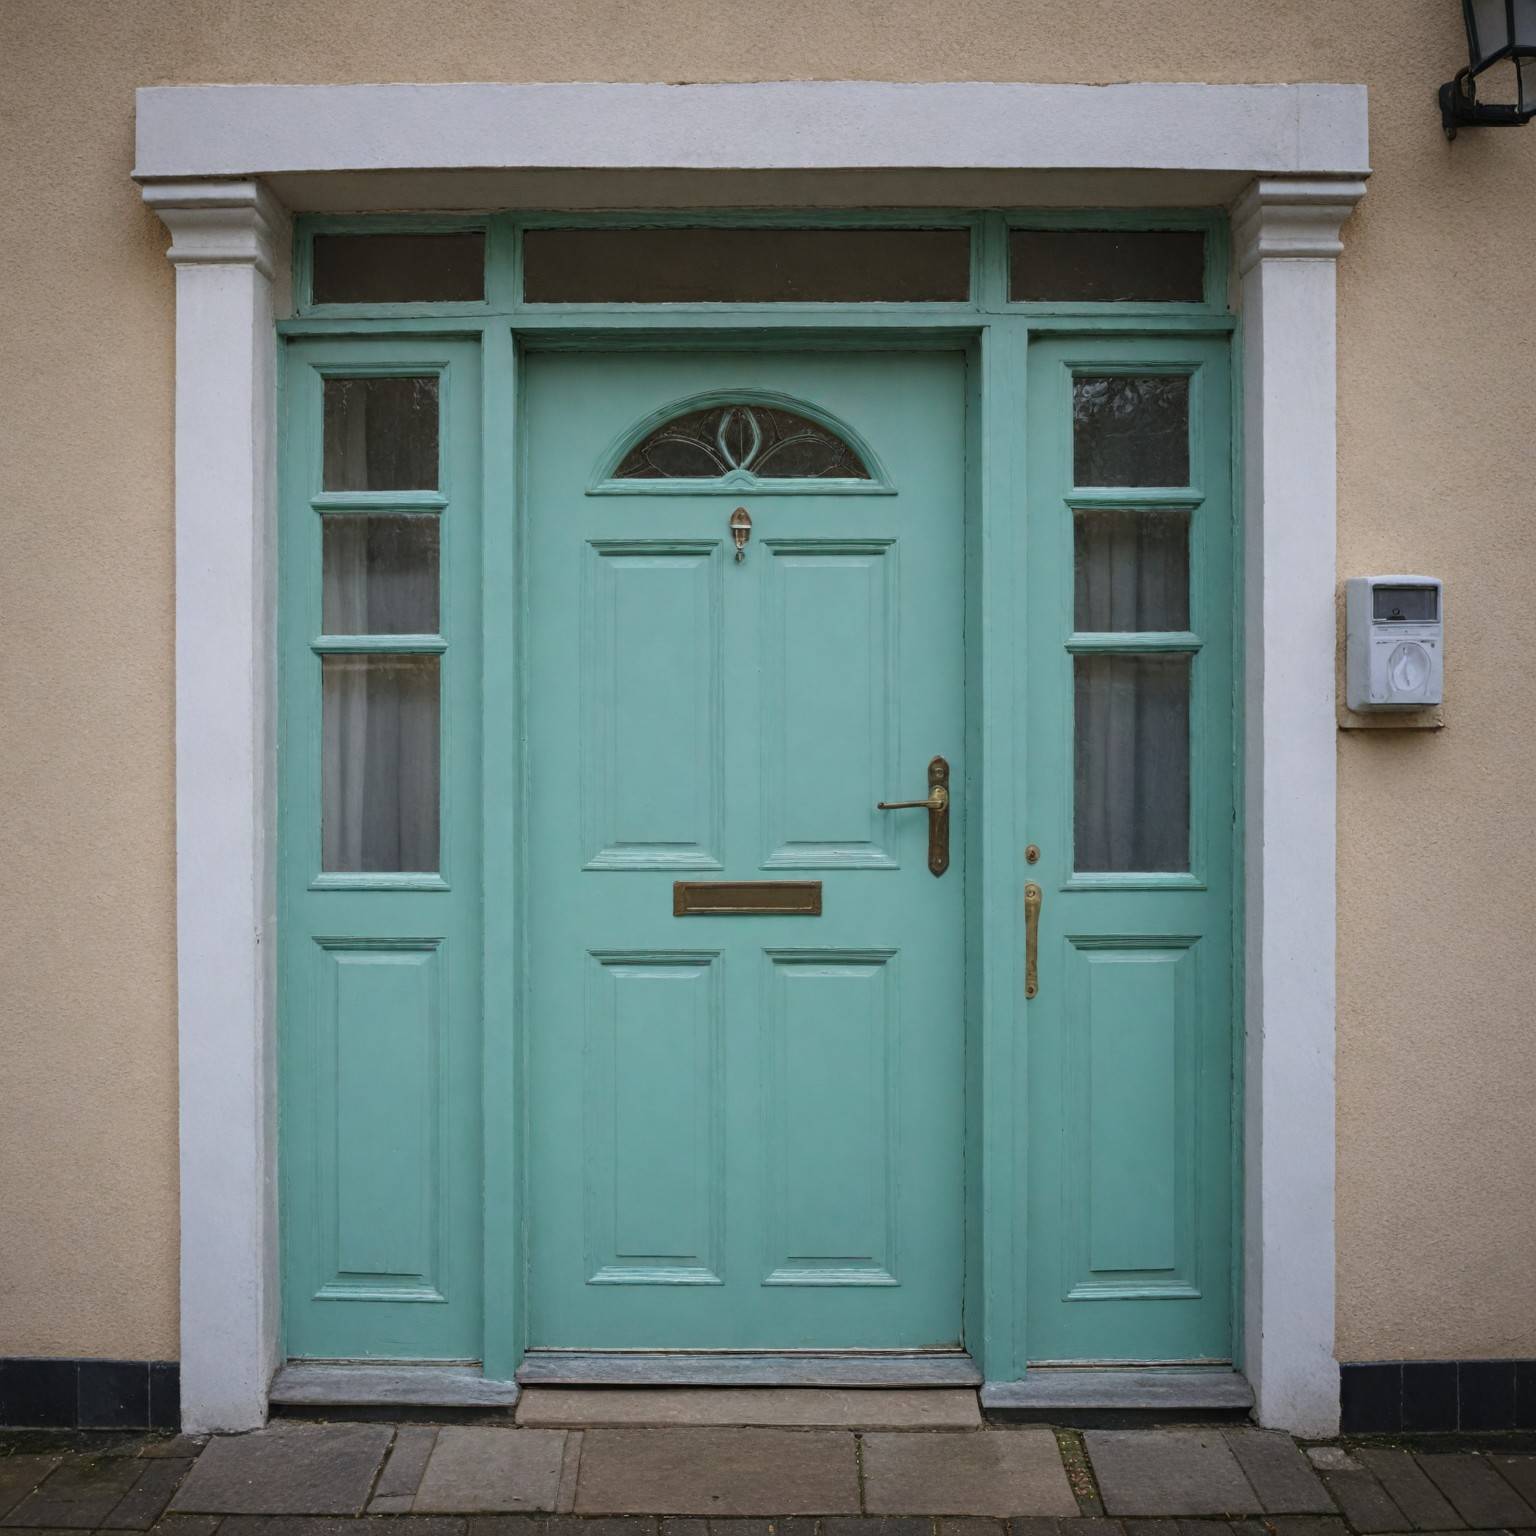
(1033, 896)
(937, 806)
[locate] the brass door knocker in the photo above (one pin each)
(741, 531)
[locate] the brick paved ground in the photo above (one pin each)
(493, 1479)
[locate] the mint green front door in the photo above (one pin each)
(746, 1131)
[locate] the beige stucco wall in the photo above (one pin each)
(1437, 1053)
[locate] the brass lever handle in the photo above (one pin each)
(1033, 896)
(937, 806)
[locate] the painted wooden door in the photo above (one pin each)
(1130, 759)
(746, 1131)
(379, 883)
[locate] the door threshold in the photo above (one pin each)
(703, 1368)
(1088, 1399)
(387, 1384)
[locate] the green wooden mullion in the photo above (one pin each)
(1134, 643)
(378, 645)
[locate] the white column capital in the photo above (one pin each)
(218, 222)
(1293, 218)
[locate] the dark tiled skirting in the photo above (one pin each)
(1404, 1396)
(89, 1394)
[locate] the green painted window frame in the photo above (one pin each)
(989, 233)
(996, 334)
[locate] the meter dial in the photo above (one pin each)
(1408, 668)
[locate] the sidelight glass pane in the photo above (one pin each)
(1130, 429)
(379, 772)
(381, 433)
(1102, 266)
(399, 269)
(1132, 570)
(1131, 788)
(380, 575)
(745, 266)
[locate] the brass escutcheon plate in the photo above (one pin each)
(746, 898)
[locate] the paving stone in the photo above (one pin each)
(486, 1470)
(617, 1525)
(1332, 1458)
(1366, 1504)
(1518, 1471)
(1426, 1507)
(181, 1447)
(78, 1494)
(690, 1525)
(1034, 1525)
(401, 1476)
(794, 1526)
(1306, 1525)
(1154, 1528)
(1168, 1472)
(1091, 1525)
(752, 1407)
(720, 1472)
(876, 1525)
(145, 1502)
(300, 1525)
(1278, 1472)
(970, 1525)
(186, 1525)
(286, 1469)
(507, 1525)
(19, 1475)
(989, 1472)
(1481, 1497)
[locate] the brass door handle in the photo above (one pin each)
(1033, 896)
(937, 806)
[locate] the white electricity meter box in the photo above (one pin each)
(1395, 642)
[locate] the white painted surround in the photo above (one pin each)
(1292, 159)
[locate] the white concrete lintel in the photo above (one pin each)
(265, 130)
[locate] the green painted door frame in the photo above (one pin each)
(996, 337)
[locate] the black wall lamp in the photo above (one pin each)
(1496, 30)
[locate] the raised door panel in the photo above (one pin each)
(831, 1152)
(652, 764)
(654, 1105)
(1129, 1104)
(379, 1117)
(831, 673)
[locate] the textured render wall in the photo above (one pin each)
(1437, 1230)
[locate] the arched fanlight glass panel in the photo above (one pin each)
(741, 444)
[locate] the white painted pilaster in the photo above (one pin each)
(226, 245)
(1287, 240)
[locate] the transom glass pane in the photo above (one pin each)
(380, 575)
(399, 268)
(379, 773)
(1098, 266)
(1130, 429)
(381, 433)
(1131, 787)
(1132, 570)
(745, 266)
(761, 440)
